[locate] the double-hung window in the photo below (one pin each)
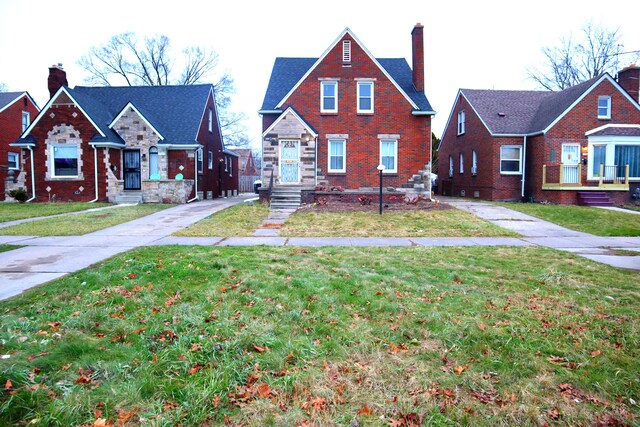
(474, 163)
(365, 97)
(604, 107)
(461, 163)
(65, 160)
(511, 159)
(461, 122)
(389, 155)
(450, 166)
(329, 96)
(210, 160)
(26, 120)
(199, 158)
(210, 124)
(13, 161)
(337, 155)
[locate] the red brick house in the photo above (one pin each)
(17, 109)
(130, 144)
(332, 120)
(580, 145)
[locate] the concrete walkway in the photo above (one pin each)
(48, 258)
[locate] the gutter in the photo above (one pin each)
(33, 177)
(524, 165)
(195, 175)
(95, 168)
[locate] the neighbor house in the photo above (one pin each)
(147, 144)
(580, 145)
(247, 170)
(16, 111)
(331, 120)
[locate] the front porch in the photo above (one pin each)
(570, 177)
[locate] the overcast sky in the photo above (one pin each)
(468, 44)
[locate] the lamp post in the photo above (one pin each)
(380, 170)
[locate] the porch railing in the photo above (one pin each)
(611, 177)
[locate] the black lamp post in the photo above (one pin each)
(380, 170)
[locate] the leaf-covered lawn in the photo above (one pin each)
(290, 336)
(83, 223)
(600, 222)
(418, 223)
(15, 211)
(238, 220)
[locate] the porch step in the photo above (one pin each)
(129, 198)
(285, 198)
(593, 198)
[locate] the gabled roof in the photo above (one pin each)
(291, 111)
(8, 98)
(519, 112)
(616, 130)
(288, 73)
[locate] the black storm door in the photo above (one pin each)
(131, 169)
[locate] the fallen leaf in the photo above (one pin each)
(258, 349)
(8, 385)
(365, 411)
(482, 326)
(460, 369)
(596, 353)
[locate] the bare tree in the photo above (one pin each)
(3, 87)
(598, 50)
(127, 60)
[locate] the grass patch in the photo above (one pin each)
(238, 220)
(600, 222)
(15, 211)
(6, 248)
(285, 336)
(419, 223)
(83, 223)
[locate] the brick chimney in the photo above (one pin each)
(417, 44)
(629, 79)
(57, 78)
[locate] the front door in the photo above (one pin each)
(570, 160)
(131, 169)
(289, 162)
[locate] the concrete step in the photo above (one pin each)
(129, 198)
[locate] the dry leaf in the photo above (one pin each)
(365, 411)
(8, 385)
(596, 353)
(258, 349)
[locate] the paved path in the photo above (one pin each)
(48, 258)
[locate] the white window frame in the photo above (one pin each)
(210, 119)
(52, 149)
(450, 166)
(15, 161)
(461, 122)
(610, 142)
(461, 163)
(26, 120)
(519, 159)
(474, 163)
(230, 166)
(343, 155)
(210, 160)
(607, 114)
(358, 96)
(346, 51)
(395, 155)
(324, 84)
(199, 161)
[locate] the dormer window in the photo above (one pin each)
(604, 107)
(346, 51)
(461, 122)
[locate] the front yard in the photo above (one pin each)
(334, 336)
(15, 211)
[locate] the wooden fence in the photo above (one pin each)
(246, 183)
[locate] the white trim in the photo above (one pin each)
(610, 142)
(608, 115)
(326, 52)
(133, 107)
(107, 144)
(52, 148)
(462, 122)
(24, 114)
(297, 141)
(327, 83)
(18, 98)
(519, 171)
(17, 160)
(461, 161)
(611, 125)
(395, 155)
(51, 102)
(178, 146)
(344, 155)
(360, 83)
(289, 110)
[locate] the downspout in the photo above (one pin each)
(524, 166)
(316, 162)
(95, 168)
(33, 178)
(195, 168)
(431, 199)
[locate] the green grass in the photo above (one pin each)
(600, 222)
(260, 336)
(83, 223)
(418, 223)
(15, 211)
(239, 220)
(5, 248)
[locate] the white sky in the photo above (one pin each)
(470, 44)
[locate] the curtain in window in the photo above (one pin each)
(336, 158)
(628, 155)
(599, 158)
(388, 154)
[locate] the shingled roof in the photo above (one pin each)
(518, 112)
(8, 98)
(287, 72)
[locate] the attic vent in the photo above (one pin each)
(346, 51)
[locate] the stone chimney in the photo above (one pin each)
(629, 79)
(57, 78)
(417, 44)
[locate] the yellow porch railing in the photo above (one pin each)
(569, 177)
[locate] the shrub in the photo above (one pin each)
(19, 194)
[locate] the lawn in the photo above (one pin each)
(256, 336)
(239, 220)
(82, 223)
(5, 248)
(418, 223)
(15, 211)
(600, 222)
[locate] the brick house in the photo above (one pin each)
(332, 120)
(580, 145)
(16, 111)
(146, 144)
